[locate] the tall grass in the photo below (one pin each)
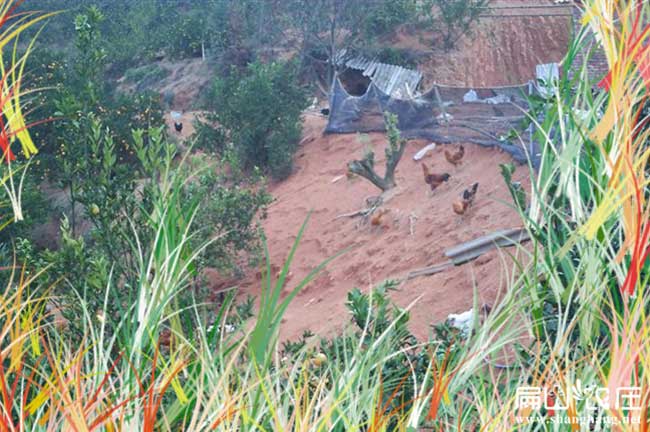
(574, 314)
(579, 305)
(14, 127)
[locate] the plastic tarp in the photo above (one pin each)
(481, 122)
(547, 76)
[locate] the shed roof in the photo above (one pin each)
(396, 81)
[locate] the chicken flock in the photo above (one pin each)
(434, 180)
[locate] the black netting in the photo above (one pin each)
(488, 121)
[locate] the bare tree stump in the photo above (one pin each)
(366, 167)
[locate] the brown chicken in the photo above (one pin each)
(433, 180)
(165, 338)
(456, 157)
(376, 219)
(461, 206)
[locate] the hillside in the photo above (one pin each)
(325, 215)
(502, 51)
(320, 187)
(503, 48)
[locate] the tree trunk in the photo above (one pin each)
(391, 164)
(363, 169)
(332, 50)
(366, 166)
(73, 211)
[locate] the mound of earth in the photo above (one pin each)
(319, 186)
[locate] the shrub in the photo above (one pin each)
(121, 199)
(454, 18)
(186, 34)
(32, 199)
(78, 84)
(397, 56)
(230, 207)
(387, 15)
(259, 114)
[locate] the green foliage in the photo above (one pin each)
(186, 34)
(138, 31)
(386, 15)
(293, 348)
(259, 113)
(396, 56)
(32, 199)
(210, 138)
(78, 87)
(133, 30)
(378, 321)
(73, 269)
(121, 200)
(91, 57)
(454, 18)
(245, 309)
(373, 312)
(181, 31)
(106, 189)
(82, 99)
(228, 209)
(516, 190)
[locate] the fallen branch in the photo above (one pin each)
(373, 205)
(362, 212)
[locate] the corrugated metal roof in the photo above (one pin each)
(465, 252)
(468, 251)
(394, 80)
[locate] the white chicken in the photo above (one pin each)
(462, 321)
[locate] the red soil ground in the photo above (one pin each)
(502, 51)
(379, 253)
(503, 48)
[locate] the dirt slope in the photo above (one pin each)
(382, 252)
(502, 51)
(503, 48)
(185, 80)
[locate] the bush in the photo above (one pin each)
(186, 34)
(259, 115)
(79, 87)
(454, 18)
(401, 57)
(32, 199)
(121, 199)
(230, 207)
(387, 15)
